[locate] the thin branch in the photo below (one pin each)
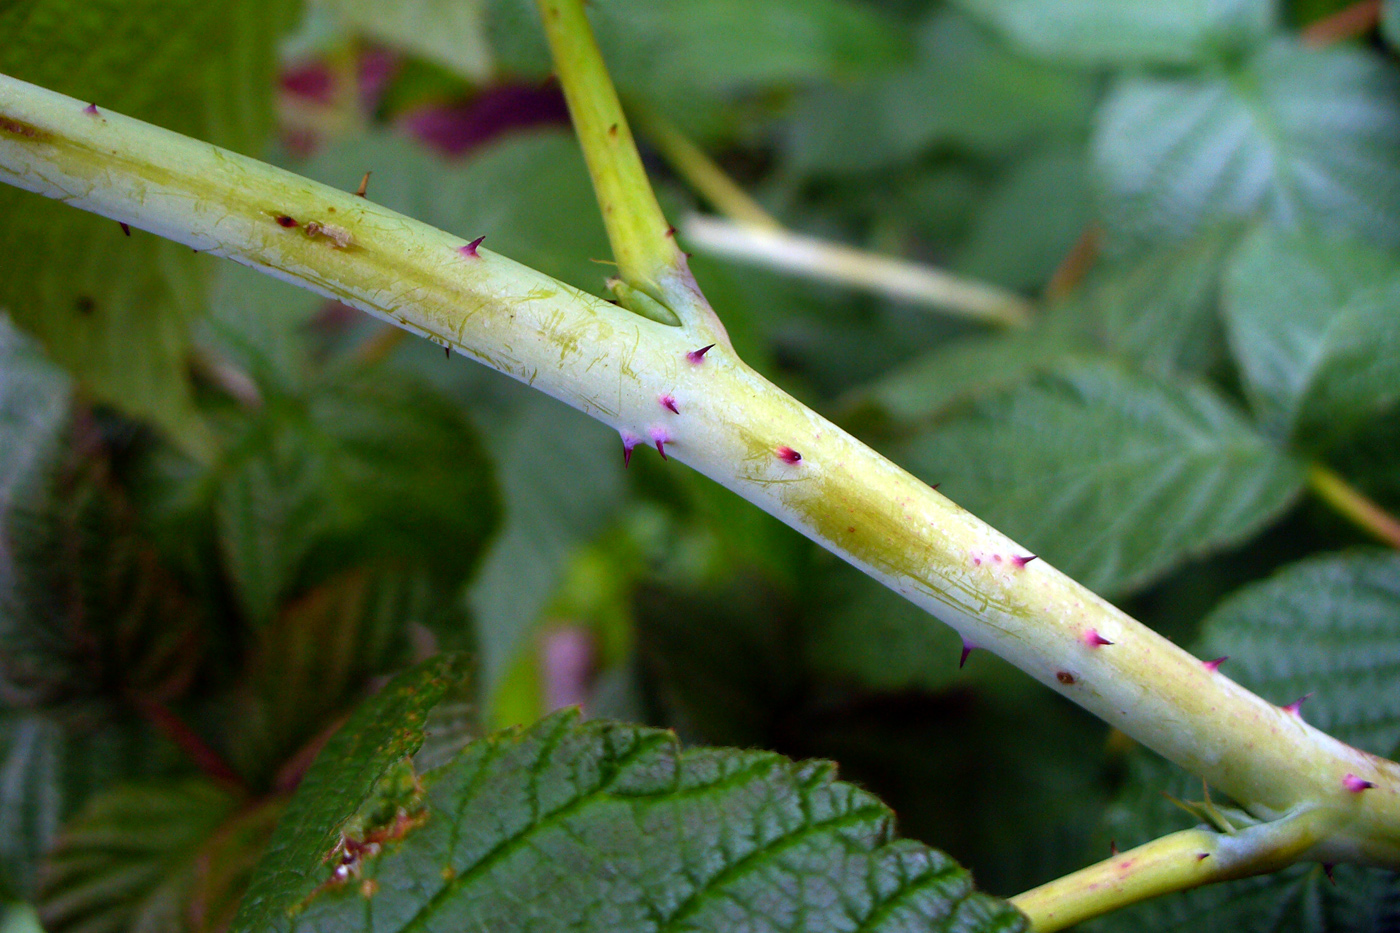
(1351, 504)
(1350, 22)
(190, 742)
(1178, 862)
(844, 265)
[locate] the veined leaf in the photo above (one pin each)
(1305, 137)
(127, 860)
(1129, 32)
(1329, 626)
(203, 69)
(449, 32)
(1110, 476)
(1315, 326)
(601, 826)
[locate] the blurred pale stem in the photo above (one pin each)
(843, 265)
(1351, 504)
(704, 175)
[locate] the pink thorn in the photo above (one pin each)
(788, 455)
(1297, 704)
(91, 110)
(126, 228)
(1023, 561)
(1093, 639)
(698, 356)
(628, 442)
(1203, 856)
(470, 249)
(669, 402)
(967, 649)
(1327, 870)
(1355, 784)
(661, 439)
(1214, 666)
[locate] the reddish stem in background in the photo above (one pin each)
(178, 731)
(1350, 22)
(1072, 269)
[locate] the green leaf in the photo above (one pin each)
(602, 826)
(34, 400)
(963, 90)
(48, 768)
(1330, 626)
(375, 742)
(1110, 476)
(196, 68)
(362, 467)
(1315, 326)
(1305, 137)
(1390, 22)
(1129, 32)
(127, 861)
(449, 32)
(1160, 306)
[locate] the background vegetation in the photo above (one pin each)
(231, 510)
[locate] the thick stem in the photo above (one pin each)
(1356, 508)
(1188, 859)
(652, 383)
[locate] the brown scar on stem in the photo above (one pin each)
(19, 128)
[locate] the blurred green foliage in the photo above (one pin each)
(230, 510)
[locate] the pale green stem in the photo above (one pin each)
(1353, 506)
(757, 238)
(732, 425)
(844, 265)
(648, 260)
(1188, 859)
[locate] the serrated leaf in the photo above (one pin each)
(1329, 626)
(962, 90)
(601, 826)
(1315, 326)
(47, 769)
(1305, 137)
(202, 69)
(1160, 307)
(377, 738)
(127, 860)
(361, 467)
(1129, 32)
(1112, 477)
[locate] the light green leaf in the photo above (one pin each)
(601, 826)
(34, 400)
(1315, 326)
(1160, 306)
(197, 68)
(1110, 476)
(1305, 137)
(127, 860)
(1129, 32)
(1329, 626)
(449, 32)
(1390, 22)
(963, 90)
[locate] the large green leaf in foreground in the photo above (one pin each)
(1111, 476)
(593, 826)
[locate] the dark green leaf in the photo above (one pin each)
(127, 861)
(1112, 477)
(362, 467)
(1329, 626)
(48, 768)
(376, 741)
(449, 32)
(963, 90)
(1129, 32)
(197, 68)
(600, 826)
(34, 400)
(1315, 326)
(1306, 137)
(1390, 22)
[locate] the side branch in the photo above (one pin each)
(659, 386)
